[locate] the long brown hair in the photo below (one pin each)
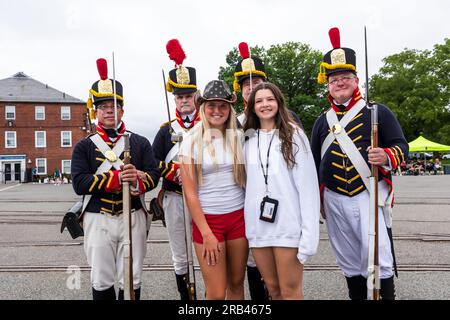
(283, 121)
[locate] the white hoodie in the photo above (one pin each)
(297, 191)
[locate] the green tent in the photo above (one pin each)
(423, 145)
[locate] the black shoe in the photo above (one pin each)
(357, 287)
(108, 294)
(137, 294)
(258, 291)
(387, 290)
(182, 286)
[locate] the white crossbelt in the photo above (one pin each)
(174, 151)
(346, 119)
(106, 165)
(349, 147)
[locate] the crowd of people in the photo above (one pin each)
(253, 184)
(415, 167)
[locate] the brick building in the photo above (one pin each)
(39, 127)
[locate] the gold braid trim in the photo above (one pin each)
(171, 84)
(322, 77)
(236, 86)
(102, 95)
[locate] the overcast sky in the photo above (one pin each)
(58, 42)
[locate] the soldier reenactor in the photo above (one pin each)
(248, 73)
(98, 174)
(341, 144)
(182, 83)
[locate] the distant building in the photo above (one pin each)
(39, 129)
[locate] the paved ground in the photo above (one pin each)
(35, 258)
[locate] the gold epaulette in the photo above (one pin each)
(167, 122)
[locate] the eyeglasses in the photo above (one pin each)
(344, 80)
(108, 107)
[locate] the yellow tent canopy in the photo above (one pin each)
(424, 145)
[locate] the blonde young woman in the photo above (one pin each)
(282, 204)
(213, 176)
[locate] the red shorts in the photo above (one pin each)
(228, 226)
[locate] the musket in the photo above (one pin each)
(190, 278)
(167, 98)
(373, 277)
(128, 239)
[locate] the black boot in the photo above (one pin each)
(137, 294)
(357, 287)
(182, 286)
(258, 291)
(387, 290)
(108, 294)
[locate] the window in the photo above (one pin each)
(41, 164)
(10, 139)
(40, 140)
(10, 112)
(65, 112)
(66, 139)
(39, 112)
(65, 165)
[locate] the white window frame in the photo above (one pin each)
(36, 108)
(36, 139)
(65, 108)
(13, 111)
(45, 165)
(62, 139)
(6, 140)
(62, 166)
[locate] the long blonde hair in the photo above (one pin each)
(202, 137)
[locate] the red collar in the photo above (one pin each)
(195, 119)
(103, 134)
(355, 98)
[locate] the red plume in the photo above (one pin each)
(175, 51)
(102, 68)
(335, 37)
(243, 49)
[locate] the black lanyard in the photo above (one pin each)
(265, 172)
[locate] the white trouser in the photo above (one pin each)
(104, 247)
(174, 215)
(347, 220)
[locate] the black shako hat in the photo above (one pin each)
(103, 89)
(337, 60)
(216, 90)
(182, 80)
(247, 65)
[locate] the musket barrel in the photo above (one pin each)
(128, 243)
(373, 279)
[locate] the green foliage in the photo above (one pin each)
(415, 86)
(293, 67)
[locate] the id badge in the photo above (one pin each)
(269, 208)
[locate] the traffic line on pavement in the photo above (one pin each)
(10, 187)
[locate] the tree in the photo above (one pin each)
(415, 86)
(293, 67)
